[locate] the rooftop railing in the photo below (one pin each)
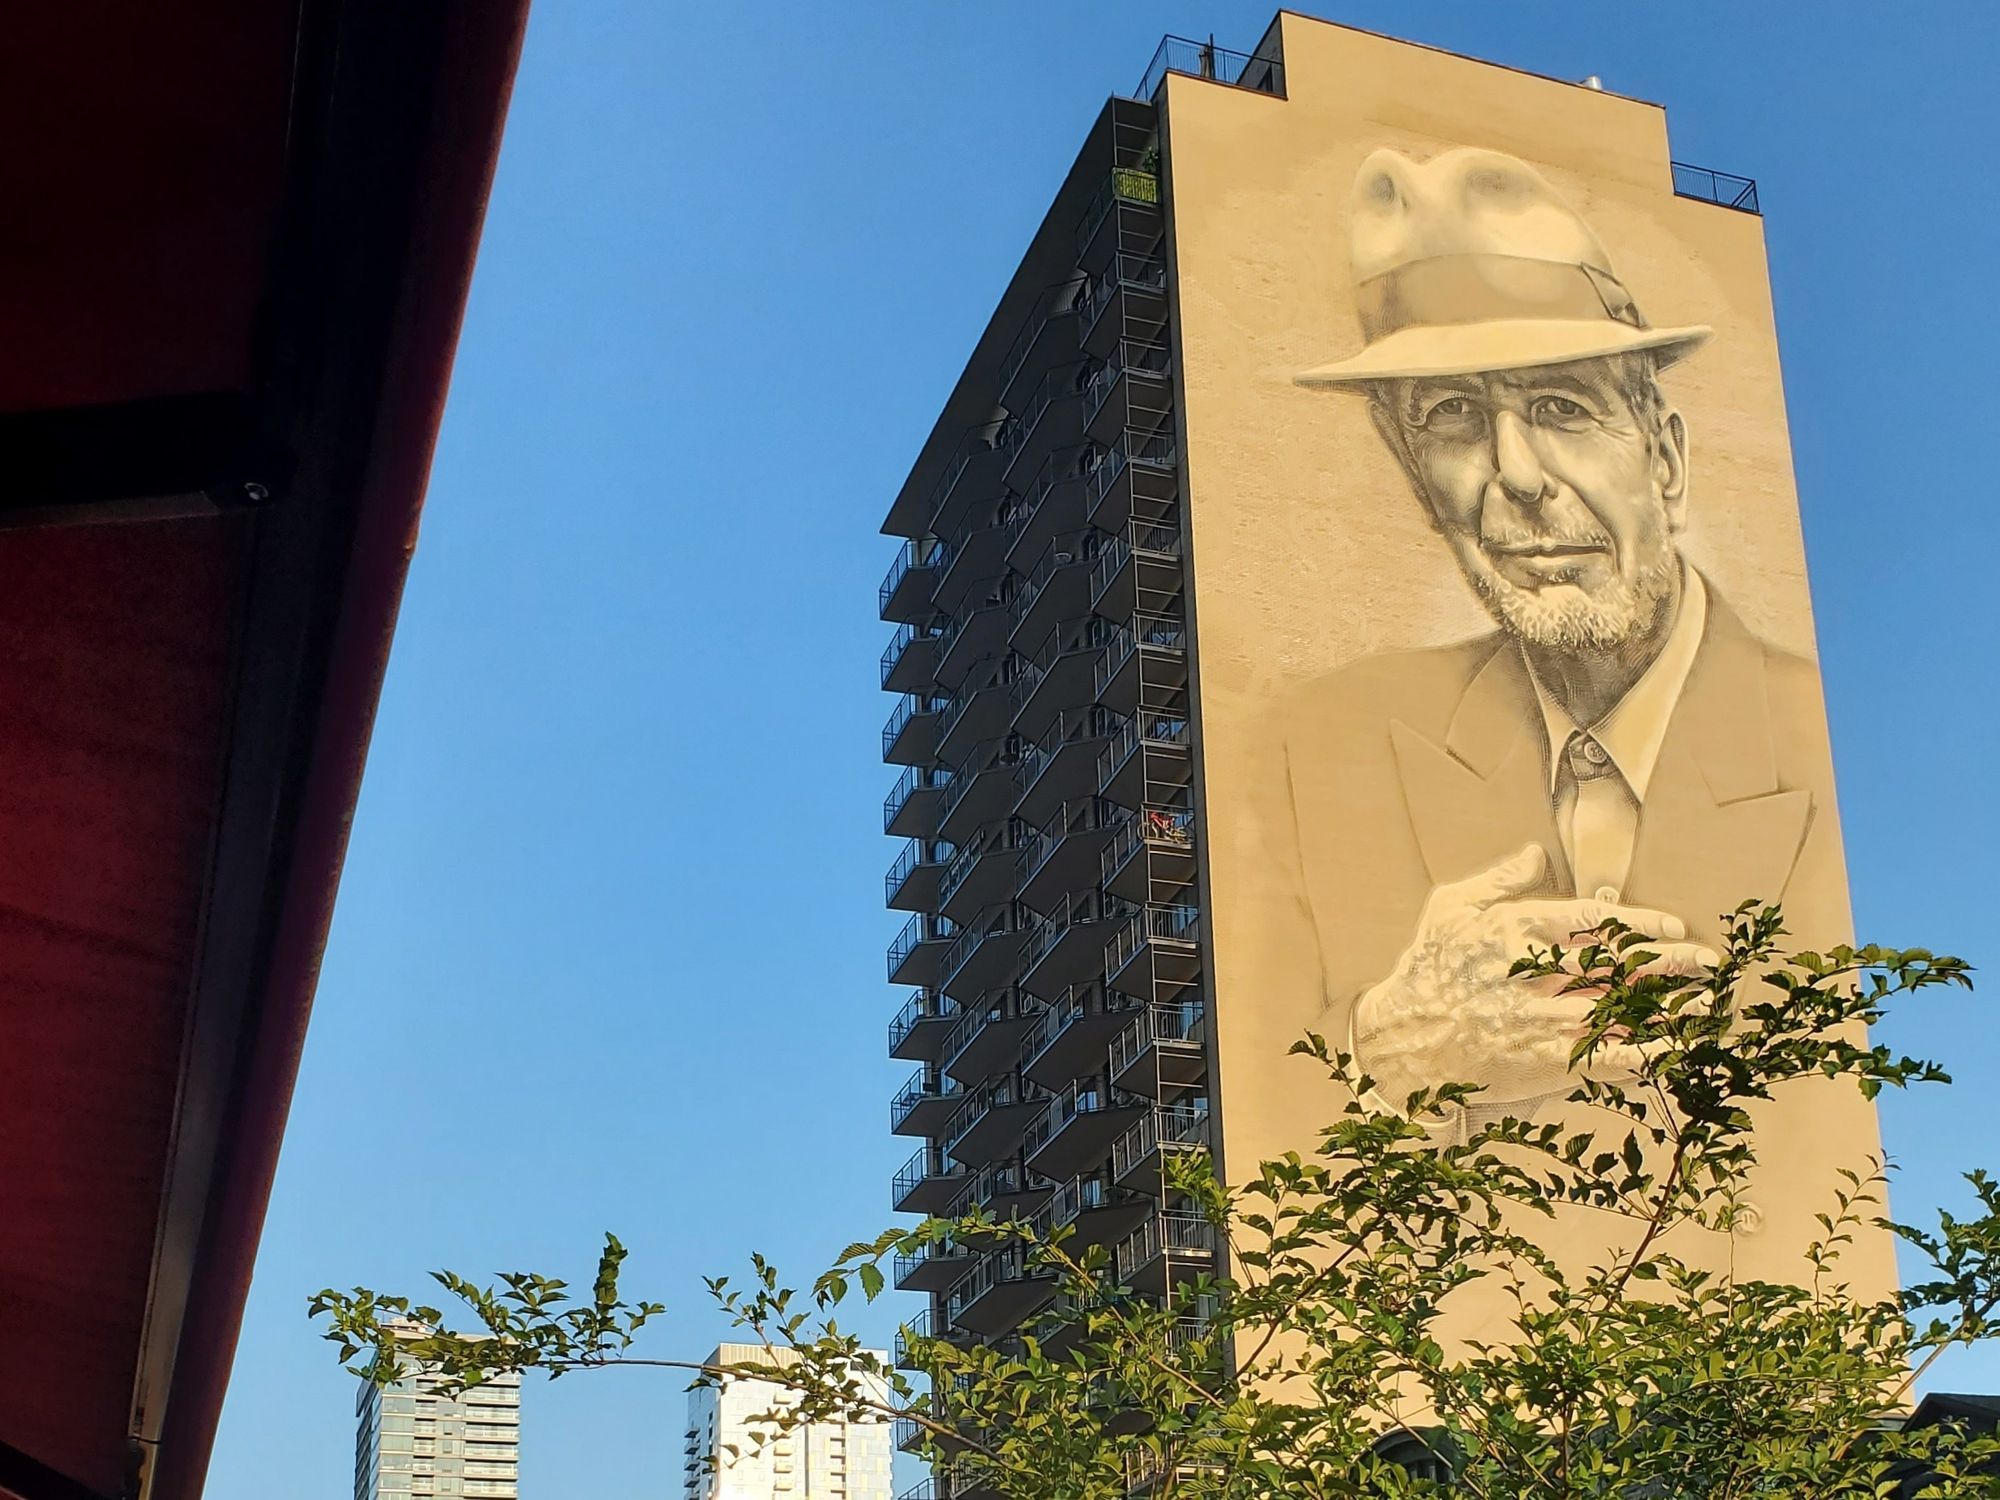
(1179, 54)
(1710, 186)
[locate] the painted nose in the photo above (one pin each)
(1515, 463)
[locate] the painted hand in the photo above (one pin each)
(1450, 1012)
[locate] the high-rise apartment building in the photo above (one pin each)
(1362, 543)
(412, 1440)
(735, 1452)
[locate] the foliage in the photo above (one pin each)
(1319, 1365)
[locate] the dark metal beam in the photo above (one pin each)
(30, 1479)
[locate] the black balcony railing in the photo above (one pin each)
(1129, 273)
(1716, 187)
(919, 552)
(1125, 185)
(922, 928)
(926, 1086)
(1179, 54)
(929, 1162)
(909, 707)
(913, 780)
(921, 1007)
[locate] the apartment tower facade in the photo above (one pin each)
(412, 1440)
(732, 1453)
(1266, 585)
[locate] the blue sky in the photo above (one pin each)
(608, 953)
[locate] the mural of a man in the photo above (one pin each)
(1620, 745)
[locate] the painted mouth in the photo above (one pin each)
(1544, 549)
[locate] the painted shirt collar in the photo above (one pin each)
(1635, 729)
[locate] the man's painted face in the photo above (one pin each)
(1560, 501)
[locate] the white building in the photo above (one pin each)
(411, 1443)
(832, 1460)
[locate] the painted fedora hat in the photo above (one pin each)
(1472, 261)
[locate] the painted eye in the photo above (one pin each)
(1559, 410)
(1452, 411)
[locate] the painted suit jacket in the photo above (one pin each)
(1409, 769)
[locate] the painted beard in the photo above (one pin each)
(1563, 616)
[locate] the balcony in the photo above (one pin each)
(971, 561)
(972, 474)
(915, 802)
(1073, 1034)
(912, 881)
(1096, 1211)
(981, 708)
(921, 1028)
(909, 664)
(910, 738)
(1151, 857)
(917, 955)
(1002, 1291)
(928, 1183)
(1163, 1050)
(1063, 763)
(1138, 479)
(1057, 588)
(972, 637)
(1166, 1247)
(910, 1336)
(905, 594)
(1131, 388)
(982, 872)
(932, 1267)
(1138, 571)
(1078, 1129)
(1051, 506)
(982, 790)
(1124, 215)
(989, 1035)
(1132, 289)
(1148, 762)
(1068, 852)
(1145, 664)
(1049, 419)
(1138, 1157)
(1005, 1189)
(985, 952)
(1048, 334)
(1066, 948)
(1158, 949)
(989, 1126)
(925, 1104)
(1062, 675)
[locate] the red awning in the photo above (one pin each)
(235, 248)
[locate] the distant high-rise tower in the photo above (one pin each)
(412, 1441)
(836, 1460)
